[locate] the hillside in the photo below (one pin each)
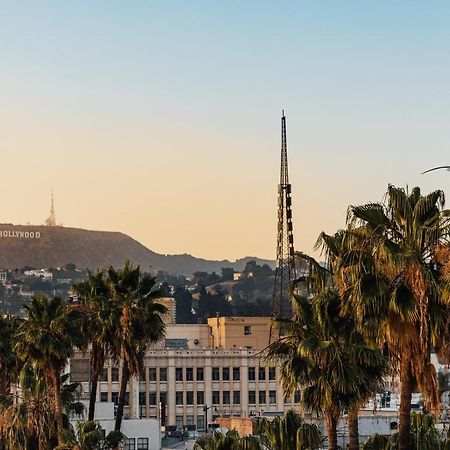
(42, 246)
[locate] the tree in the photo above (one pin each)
(228, 441)
(30, 423)
(9, 364)
(47, 338)
(321, 352)
(140, 323)
(289, 432)
(101, 318)
(393, 284)
(227, 273)
(183, 301)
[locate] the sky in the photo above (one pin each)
(162, 119)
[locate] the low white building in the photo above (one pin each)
(141, 434)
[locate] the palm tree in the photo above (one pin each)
(322, 352)
(30, 422)
(9, 364)
(140, 323)
(47, 338)
(228, 441)
(394, 278)
(340, 256)
(289, 432)
(102, 313)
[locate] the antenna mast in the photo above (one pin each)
(285, 272)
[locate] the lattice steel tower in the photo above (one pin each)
(285, 266)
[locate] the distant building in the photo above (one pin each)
(39, 273)
(199, 373)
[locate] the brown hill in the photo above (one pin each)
(42, 246)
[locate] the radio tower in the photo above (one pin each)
(51, 221)
(285, 264)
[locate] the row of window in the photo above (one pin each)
(130, 444)
(187, 374)
(187, 397)
(190, 421)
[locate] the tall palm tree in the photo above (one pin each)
(30, 422)
(340, 256)
(9, 364)
(102, 314)
(140, 323)
(47, 338)
(321, 352)
(394, 278)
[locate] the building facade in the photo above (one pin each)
(199, 373)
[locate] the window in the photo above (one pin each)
(226, 374)
(251, 397)
(200, 398)
(142, 398)
(130, 444)
(272, 373)
(163, 397)
(199, 373)
(236, 397)
(142, 444)
(189, 420)
(262, 397)
(126, 400)
(200, 422)
(236, 373)
(115, 374)
(216, 397)
(215, 374)
(272, 397)
(115, 398)
(179, 397)
(103, 396)
(261, 373)
(189, 397)
(251, 374)
(189, 374)
(178, 374)
(152, 398)
(152, 373)
(179, 421)
(226, 397)
(247, 330)
(297, 396)
(104, 375)
(162, 374)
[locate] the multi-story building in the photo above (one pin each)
(198, 373)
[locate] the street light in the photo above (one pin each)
(437, 168)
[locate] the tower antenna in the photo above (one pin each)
(51, 221)
(285, 272)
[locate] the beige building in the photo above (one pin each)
(199, 373)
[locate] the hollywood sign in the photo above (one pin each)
(20, 234)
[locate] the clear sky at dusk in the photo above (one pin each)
(162, 119)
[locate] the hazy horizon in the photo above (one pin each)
(162, 120)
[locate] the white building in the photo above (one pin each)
(141, 434)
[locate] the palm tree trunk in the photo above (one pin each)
(56, 381)
(331, 419)
(93, 395)
(123, 390)
(404, 428)
(353, 428)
